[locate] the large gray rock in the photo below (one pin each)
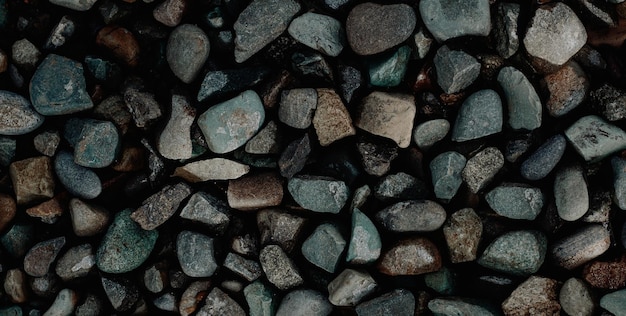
(570, 193)
(594, 139)
(18, 116)
(455, 69)
(320, 32)
(517, 253)
(524, 106)
(516, 201)
(446, 170)
(195, 254)
(187, 50)
(319, 194)
(447, 19)
(412, 216)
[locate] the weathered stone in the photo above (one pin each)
(220, 83)
(517, 253)
(469, 18)
(18, 239)
(121, 292)
(219, 303)
(253, 192)
(575, 298)
(8, 210)
(18, 116)
(430, 132)
(267, 141)
(446, 171)
(32, 179)
(245, 268)
(411, 256)
(524, 106)
(376, 154)
(174, 142)
(209, 210)
(294, 157)
(120, 42)
(159, 207)
(606, 274)
(388, 115)
(400, 186)
(78, 180)
(77, 5)
(297, 107)
(114, 109)
(365, 243)
(328, 237)
(193, 295)
(195, 254)
(567, 89)
(319, 194)
(39, 258)
(540, 163)
(462, 232)
(456, 70)
(570, 192)
(8, 147)
(87, 219)
(536, 295)
(261, 299)
(143, 107)
(63, 304)
(279, 227)
(480, 115)
(170, 12)
(506, 25)
(581, 247)
(480, 169)
(47, 142)
(516, 201)
(412, 216)
(388, 69)
(399, 302)
(91, 306)
(608, 100)
(332, 120)
(211, 170)
(77, 262)
(15, 286)
(595, 139)
(304, 302)
(449, 306)
(278, 268)
(350, 287)
(320, 32)
(614, 302)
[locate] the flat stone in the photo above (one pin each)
(219, 303)
(412, 256)
(430, 132)
(219, 83)
(365, 243)
(516, 201)
(32, 179)
(253, 192)
(212, 169)
(581, 247)
(449, 306)
(570, 192)
(412, 216)
(480, 115)
(87, 219)
(77, 262)
(121, 292)
(376, 155)
(279, 269)
(15, 286)
(536, 295)
(328, 237)
(540, 163)
(96, 143)
(195, 253)
(594, 139)
(120, 42)
(297, 107)
(78, 180)
(39, 258)
(607, 100)
(400, 186)
(304, 302)
(524, 106)
(260, 23)
(230, 124)
(606, 274)
(575, 298)
(280, 228)
(456, 70)
(518, 253)
(207, 209)
(387, 115)
(567, 89)
(445, 170)
(470, 18)
(58, 87)
(174, 142)
(8, 209)
(462, 232)
(320, 32)
(245, 268)
(554, 34)
(18, 115)
(125, 246)
(350, 287)
(614, 302)
(373, 28)
(505, 27)
(267, 141)
(47, 142)
(159, 207)
(388, 69)
(319, 194)
(332, 120)
(170, 12)
(261, 299)
(398, 302)
(78, 5)
(480, 169)
(192, 296)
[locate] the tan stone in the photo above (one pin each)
(388, 115)
(332, 120)
(255, 192)
(535, 296)
(411, 256)
(32, 179)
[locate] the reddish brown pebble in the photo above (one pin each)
(255, 192)
(411, 256)
(567, 88)
(48, 211)
(332, 120)
(131, 159)
(32, 179)
(7, 210)
(535, 296)
(170, 12)
(606, 275)
(424, 82)
(39, 258)
(121, 42)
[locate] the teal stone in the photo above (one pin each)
(619, 181)
(230, 124)
(442, 281)
(446, 170)
(516, 201)
(17, 240)
(519, 253)
(96, 143)
(524, 106)
(399, 302)
(388, 69)
(125, 246)
(593, 138)
(58, 87)
(327, 237)
(452, 306)
(102, 69)
(11, 311)
(614, 302)
(78, 180)
(319, 194)
(7, 150)
(365, 243)
(261, 299)
(480, 115)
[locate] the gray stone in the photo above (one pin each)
(267, 141)
(63, 304)
(421, 43)
(350, 287)
(25, 54)
(155, 277)
(452, 306)
(400, 186)
(445, 170)
(609, 100)
(220, 83)
(78, 5)
(279, 227)
(442, 281)
(570, 192)
(365, 243)
(554, 34)
(581, 247)
(78, 180)
(480, 115)
(576, 298)
(143, 107)
(187, 50)
(455, 69)
(537, 296)
(480, 169)
(410, 256)
(328, 237)
(121, 292)
(412, 216)
(297, 107)
(389, 115)
(15, 286)
(399, 302)
(219, 303)
(77, 262)
(594, 139)
(360, 196)
(295, 156)
(304, 302)
(279, 269)
(524, 106)
(567, 88)
(540, 163)
(92, 306)
(39, 258)
(320, 32)
(319, 194)
(195, 254)
(166, 302)
(619, 181)
(209, 210)
(462, 232)
(47, 142)
(516, 201)
(260, 23)
(46, 286)
(245, 268)
(261, 300)
(447, 19)
(170, 12)
(189, 300)
(18, 116)
(614, 302)
(211, 170)
(505, 27)
(61, 33)
(430, 132)
(96, 143)
(87, 219)
(174, 142)
(159, 207)
(518, 253)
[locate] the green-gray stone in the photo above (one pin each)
(447, 19)
(261, 299)
(388, 69)
(7, 150)
(456, 70)
(193, 248)
(78, 180)
(11, 311)
(103, 70)
(320, 32)
(480, 115)
(516, 201)
(430, 132)
(125, 246)
(571, 195)
(365, 243)
(58, 87)
(17, 240)
(319, 194)
(412, 216)
(230, 124)
(442, 281)
(518, 253)
(619, 181)
(446, 170)
(328, 238)
(451, 306)
(96, 143)
(615, 302)
(524, 106)
(399, 302)
(593, 138)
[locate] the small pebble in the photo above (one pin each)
(207, 209)
(606, 274)
(430, 132)
(18, 115)
(365, 243)
(25, 54)
(319, 194)
(187, 49)
(517, 253)
(75, 4)
(505, 26)
(567, 89)
(63, 304)
(174, 142)
(280, 228)
(8, 209)
(166, 302)
(536, 295)
(96, 143)
(77, 262)
(332, 120)
(78, 180)
(376, 155)
(170, 12)
(279, 268)
(456, 70)
(219, 303)
(400, 186)
(193, 295)
(524, 106)
(480, 115)
(47, 142)
(412, 216)
(614, 302)
(607, 101)
(120, 42)
(159, 207)
(470, 18)
(575, 298)
(540, 163)
(121, 292)
(195, 254)
(143, 107)
(295, 156)
(211, 170)
(87, 219)
(15, 286)
(387, 115)
(328, 237)
(39, 258)
(388, 69)
(17, 240)
(32, 179)
(261, 299)
(224, 82)
(253, 192)
(92, 305)
(304, 302)
(350, 287)
(446, 171)
(267, 141)
(581, 247)
(320, 32)
(482, 168)
(297, 107)
(411, 256)
(245, 268)
(8, 147)
(462, 232)
(595, 139)
(516, 201)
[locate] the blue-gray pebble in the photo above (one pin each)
(447, 19)
(319, 194)
(516, 201)
(446, 170)
(593, 138)
(523, 102)
(544, 159)
(78, 180)
(614, 302)
(518, 253)
(96, 143)
(480, 115)
(320, 32)
(327, 237)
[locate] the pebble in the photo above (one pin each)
(245, 268)
(376, 155)
(540, 163)
(166, 302)
(350, 287)
(399, 302)
(389, 115)
(125, 246)
(230, 124)
(304, 302)
(280, 228)
(63, 304)
(365, 243)
(456, 70)
(253, 192)
(332, 120)
(524, 106)
(430, 132)
(122, 294)
(472, 18)
(159, 207)
(77, 262)
(400, 186)
(581, 247)
(606, 274)
(211, 170)
(505, 27)
(78, 180)
(120, 42)
(192, 296)
(78, 5)
(450, 306)
(219, 303)
(482, 168)
(11, 311)
(39, 258)
(350, 82)
(594, 139)
(320, 32)
(155, 277)
(15, 286)
(480, 115)
(17, 240)
(261, 299)
(570, 192)
(8, 147)
(46, 286)
(260, 23)
(516, 201)
(518, 253)
(18, 115)
(463, 231)
(442, 281)
(554, 34)
(567, 88)
(92, 305)
(170, 12)
(575, 298)
(279, 269)
(388, 69)
(96, 143)
(373, 28)
(614, 302)
(446, 171)
(114, 109)
(8, 209)
(103, 70)
(58, 87)
(412, 216)
(619, 181)
(25, 54)
(297, 107)
(174, 142)
(267, 141)
(32, 179)
(207, 209)
(412, 256)
(328, 237)
(295, 156)
(195, 253)
(536, 296)
(87, 219)
(143, 107)
(318, 194)
(224, 82)
(47, 142)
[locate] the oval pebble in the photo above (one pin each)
(78, 180)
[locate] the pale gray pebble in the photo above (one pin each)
(469, 18)
(350, 287)
(412, 216)
(575, 298)
(570, 192)
(304, 302)
(430, 132)
(524, 105)
(320, 32)
(480, 115)
(446, 171)
(516, 201)
(195, 253)
(187, 49)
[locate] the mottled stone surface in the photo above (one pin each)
(32, 179)
(446, 170)
(332, 120)
(412, 256)
(304, 302)
(159, 207)
(462, 232)
(319, 194)
(517, 253)
(207, 209)
(524, 105)
(456, 70)
(480, 115)
(536, 295)
(255, 191)
(516, 201)
(279, 269)
(350, 287)
(412, 216)
(594, 139)
(580, 247)
(365, 243)
(567, 89)
(211, 170)
(541, 162)
(78, 180)
(480, 169)
(387, 115)
(174, 142)
(570, 192)
(195, 253)
(279, 227)
(469, 18)
(18, 115)
(575, 298)
(606, 274)
(39, 258)
(320, 32)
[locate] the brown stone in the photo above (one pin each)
(606, 275)
(7, 210)
(15, 286)
(32, 179)
(87, 219)
(411, 256)
(535, 296)
(132, 159)
(48, 211)
(170, 12)
(612, 36)
(581, 247)
(255, 191)
(462, 232)
(332, 120)
(39, 258)
(424, 79)
(388, 115)
(121, 42)
(567, 88)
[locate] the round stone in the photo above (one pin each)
(187, 50)
(195, 254)
(517, 253)
(78, 180)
